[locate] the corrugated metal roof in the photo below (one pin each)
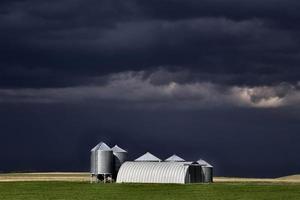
(148, 157)
(204, 163)
(95, 148)
(118, 149)
(174, 158)
(103, 147)
(153, 172)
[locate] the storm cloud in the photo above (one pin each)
(147, 91)
(73, 40)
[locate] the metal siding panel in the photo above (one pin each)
(208, 174)
(105, 162)
(94, 159)
(158, 173)
(168, 175)
(92, 170)
(139, 171)
(146, 173)
(129, 175)
(94, 156)
(119, 159)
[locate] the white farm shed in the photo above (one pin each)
(159, 172)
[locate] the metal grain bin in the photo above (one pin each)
(207, 171)
(207, 174)
(120, 156)
(104, 159)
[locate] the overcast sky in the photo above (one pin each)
(210, 79)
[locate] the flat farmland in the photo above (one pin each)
(51, 190)
(75, 186)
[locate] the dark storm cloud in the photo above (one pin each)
(160, 89)
(79, 40)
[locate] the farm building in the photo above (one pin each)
(207, 171)
(106, 161)
(109, 164)
(159, 172)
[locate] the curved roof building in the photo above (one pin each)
(155, 172)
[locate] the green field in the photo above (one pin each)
(85, 191)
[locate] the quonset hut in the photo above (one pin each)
(152, 172)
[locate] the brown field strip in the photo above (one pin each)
(52, 176)
(81, 177)
(257, 180)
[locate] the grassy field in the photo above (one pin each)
(72, 186)
(85, 191)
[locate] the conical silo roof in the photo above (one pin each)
(174, 158)
(118, 149)
(102, 147)
(148, 157)
(95, 147)
(204, 163)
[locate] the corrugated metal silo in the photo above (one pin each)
(207, 171)
(207, 174)
(120, 156)
(104, 159)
